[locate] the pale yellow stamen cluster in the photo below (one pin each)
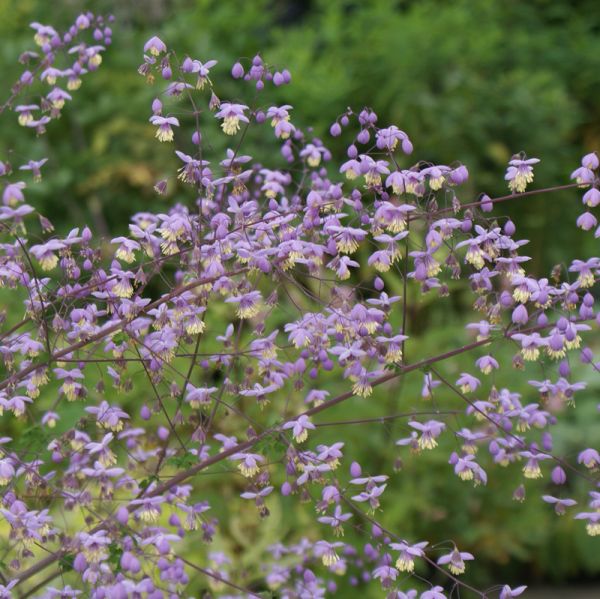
(362, 389)
(405, 564)
(466, 474)
(74, 84)
(373, 179)
(230, 125)
(530, 353)
(125, 254)
(347, 246)
(70, 390)
(329, 558)
(48, 261)
(248, 471)
(520, 181)
(164, 134)
(427, 442)
(248, 311)
(474, 256)
(123, 289)
(25, 118)
(532, 471)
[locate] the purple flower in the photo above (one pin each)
(232, 114)
(455, 560)
(198, 396)
(560, 505)
(408, 553)
(587, 221)
(105, 456)
(590, 458)
(25, 113)
(336, 521)
(164, 124)
(593, 522)
(313, 154)
(258, 494)
(370, 496)
(468, 469)
(520, 174)
(429, 431)
(7, 471)
(248, 303)
(35, 167)
(43, 33)
(507, 592)
(388, 138)
(57, 98)
(486, 364)
(249, 463)
(108, 417)
(300, 428)
(327, 552)
(591, 197)
(386, 574)
(467, 383)
(94, 546)
(372, 170)
(583, 176)
(436, 592)
(532, 469)
(155, 46)
(202, 69)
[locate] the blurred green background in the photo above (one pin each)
(473, 81)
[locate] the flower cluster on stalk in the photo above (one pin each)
(276, 291)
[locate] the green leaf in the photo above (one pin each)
(182, 462)
(114, 555)
(65, 563)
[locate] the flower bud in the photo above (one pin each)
(335, 130)
(237, 71)
(355, 470)
(559, 477)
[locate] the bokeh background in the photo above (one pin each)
(473, 81)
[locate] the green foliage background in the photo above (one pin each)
(469, 80)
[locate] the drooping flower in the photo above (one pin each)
(532, 469)
(108, 417)
(429, 431)
(408, 553)
(560, 505)
(327, 552)
(164, 124)
(508, 593)
(467, 382)
(198, 396)
(300, 428)
(248, 303)
(486, 364)
(593, 522)
(468, 469)
(520, 173)
(336, 521)
(590, 458)
(455, 560)
(248, 463)
(155, 46)
(232, 114)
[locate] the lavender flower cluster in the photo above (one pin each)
(275, 293)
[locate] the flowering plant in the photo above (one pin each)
(235, 315)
